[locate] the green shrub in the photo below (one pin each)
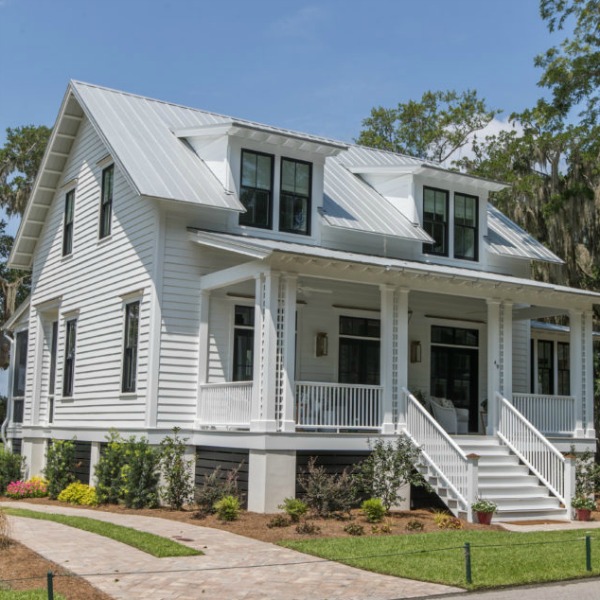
(354, 529)
(294, 508)
(326, 494)
(11, 468)
(415, 525)
(60, 466)
(228, 508)
(176, 472)
(140, 475)
(79, 493)
(388, 467)
(215, 486)
(279, 521)
(308, 528)
(108, 470)
(374, 510)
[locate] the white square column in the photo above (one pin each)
(286, 345)
(588, 374)
(577, 368)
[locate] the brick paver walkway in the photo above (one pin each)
(233, 567)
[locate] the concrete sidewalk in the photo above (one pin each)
(233, 567)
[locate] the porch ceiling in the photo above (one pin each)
(326, 263)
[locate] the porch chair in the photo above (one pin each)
(453, 420)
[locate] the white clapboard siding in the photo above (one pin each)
(92, 282)
(520, 356)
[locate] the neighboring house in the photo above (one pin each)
(279, 295)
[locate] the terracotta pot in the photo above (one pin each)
(583, 514)
(484, 518)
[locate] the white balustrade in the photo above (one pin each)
(225, 404)
(548, 414)
(440, 451)
(338, 405)
(534, 450)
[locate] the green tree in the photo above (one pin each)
(433, 128)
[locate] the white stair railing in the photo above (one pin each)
(534, 450)
(441, 453)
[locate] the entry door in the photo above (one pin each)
(454, 376)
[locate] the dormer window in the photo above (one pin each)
(465, 226)
(294, 199)
(256, 191)
(435, 220)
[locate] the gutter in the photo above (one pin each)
(9, 403)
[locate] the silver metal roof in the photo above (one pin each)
(350, 203)
(506, 238)
(220, 240)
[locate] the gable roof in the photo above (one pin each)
(143, 137)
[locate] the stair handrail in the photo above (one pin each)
(458, 478)
(542, 458)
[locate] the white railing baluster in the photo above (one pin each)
(548, 414)
(532, 447)
(225, 404)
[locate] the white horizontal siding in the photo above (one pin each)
(521, 356)
(92, 282)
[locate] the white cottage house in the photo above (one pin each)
(279, 295)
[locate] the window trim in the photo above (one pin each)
(270, 210)
(52, 370)
(105, 225)
(69, 362)
(428, 248)
(475, 228)
(133, 359)
(68, 223)
(308, 198)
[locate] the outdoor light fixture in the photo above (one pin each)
(415, 352)
(322, 344)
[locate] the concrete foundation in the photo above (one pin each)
(271, 479)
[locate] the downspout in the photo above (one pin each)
(9, 404)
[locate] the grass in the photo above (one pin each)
(146, 542)
(498, 558)
(28, 595)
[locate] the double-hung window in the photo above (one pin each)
(69, 366)
(256, 191)
(465, 226)
(130, 346)
(359, 350)
(243, 343)
(294, 198)
(67, 246)
(435, 220)
(106, 201)
(19, 375)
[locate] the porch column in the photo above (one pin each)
(577, 368)
(287, 343)
(499, 359)
(388, 363)
(588, 373)
(400, 355)
(203, 343)
(265, 353)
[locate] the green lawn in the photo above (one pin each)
(146, 542)
(498, 558)
(28, 595)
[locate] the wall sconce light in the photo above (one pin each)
(415, 352)
(322, 344)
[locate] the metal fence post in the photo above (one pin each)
(50, 578)
(588, 552)
(468, 562)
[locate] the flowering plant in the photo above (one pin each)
(484, 506)
(36, 487)
(583, 503)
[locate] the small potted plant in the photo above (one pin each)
(484, 509)
(583, 505)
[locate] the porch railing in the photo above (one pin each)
(440, 452)
(338, 405)
(534, 450)
(548, 414)
(225, 404)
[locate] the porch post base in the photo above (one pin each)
(590, 433)
(288, 426)
(388, 429)
(400, 428)
(266, 426)
(579, 433)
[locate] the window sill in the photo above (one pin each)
(67, 257)
(67, 398)
(128, 395)
(104, 240)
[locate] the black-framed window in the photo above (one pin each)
(466, 226)
(435, 220)
(130, 346)
(19, 375)
(454, 336)
(563, 368)
(106, 201)
(256, 189)
(243, 343)
(67, 247)
(295, 196)
(52, 376)
(69, 366)
(545, 367)
(359, 360)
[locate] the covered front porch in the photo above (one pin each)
(292, 343)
